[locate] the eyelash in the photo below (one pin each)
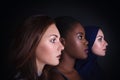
(100, 39)
(80, 37)
(53, 40)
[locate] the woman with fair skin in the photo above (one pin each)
(75, 47)
(89, 68)
(36, 45)
(99, 46)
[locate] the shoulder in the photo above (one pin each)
(54, 74)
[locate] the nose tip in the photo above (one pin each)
(86, 42)
(106, 43)
(61, 45)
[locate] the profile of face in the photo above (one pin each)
(100, 45)
(49, 48)
(75, 42)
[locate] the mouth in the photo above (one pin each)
(104, 49)
(86, 50)
(59, 56)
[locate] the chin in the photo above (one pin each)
(56, 63)
(103, 54)
(84, 57)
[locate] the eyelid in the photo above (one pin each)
(54, 35)
(100, 39)
(80, 35)
(100, 36)
(53, 40)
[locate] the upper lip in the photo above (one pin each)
(104, 49)
(59, 55)
(86, 49)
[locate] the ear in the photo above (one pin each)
(62, 41)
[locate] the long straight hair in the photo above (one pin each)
(25, 42)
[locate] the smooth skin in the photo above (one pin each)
(49, 49)
(75, 47)
(99, 46)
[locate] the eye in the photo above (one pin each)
(80, 37)
(53, 40)
(100, 39)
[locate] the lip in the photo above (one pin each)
(104, 49)
(86, 50)
(59, 56)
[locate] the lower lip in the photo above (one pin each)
(86, 51)
(58, 57)
(104, 49)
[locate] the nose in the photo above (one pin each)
(61, 46)
(106, 43)
(86, 42)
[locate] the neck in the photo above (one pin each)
(67, 63)
(40, 67)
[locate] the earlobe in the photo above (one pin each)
(62, 41)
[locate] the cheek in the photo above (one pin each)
(81, 48)
(79, 45)
(44, 52)
(77, 48)
(96, 49)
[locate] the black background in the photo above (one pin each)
(105, 14)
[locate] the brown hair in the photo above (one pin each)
(25, 42)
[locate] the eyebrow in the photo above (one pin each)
(100, 36)
(54, 35)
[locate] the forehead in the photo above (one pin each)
(52, 29)
(78, 28)
(100, 33)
